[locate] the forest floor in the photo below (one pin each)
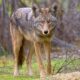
(67, 76)
(6, 71)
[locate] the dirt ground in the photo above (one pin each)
(66, 76)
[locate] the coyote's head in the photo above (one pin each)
(44, 21)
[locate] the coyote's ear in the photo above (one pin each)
(54, 9)
(35, 9)
(57, 10)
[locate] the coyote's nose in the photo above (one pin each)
(45, 32)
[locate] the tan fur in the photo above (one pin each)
(35, 35)
(18, 49)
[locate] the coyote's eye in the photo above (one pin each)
(42, 21)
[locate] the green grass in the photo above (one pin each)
(6, 70)
(78, 7)
(10, 77)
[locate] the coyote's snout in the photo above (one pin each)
(35, 26)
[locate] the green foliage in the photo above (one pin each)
(6, 71)
(0, 2)
(78, 7)
(10, 77)
(27, 2)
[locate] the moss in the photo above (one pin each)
(78, 7)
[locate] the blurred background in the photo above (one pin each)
(66, 43)
(68, 27)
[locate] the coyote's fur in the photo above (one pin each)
(33, 27)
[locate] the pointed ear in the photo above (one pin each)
(35, 10)
(54, 9)
(57, 10)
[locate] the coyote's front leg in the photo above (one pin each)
(47, 47)
(39, 60)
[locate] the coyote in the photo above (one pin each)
(34, 27)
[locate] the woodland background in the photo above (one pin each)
(68, 29)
